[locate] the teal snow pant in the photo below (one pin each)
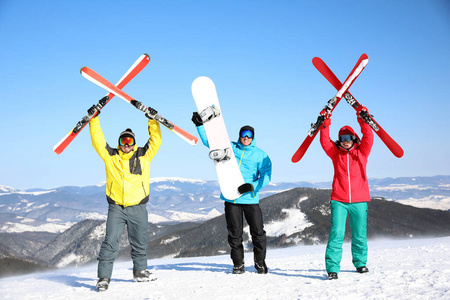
(136, 219)
(357, 212)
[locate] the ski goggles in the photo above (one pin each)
(127, 140)
(346, 138)
(247, 133)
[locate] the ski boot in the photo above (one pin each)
(363, 269)
(102, 284)
(332, 276)
(143, 276)
(261, 267)
(238, 266)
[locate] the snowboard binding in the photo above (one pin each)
(219, 155)
(209, 113)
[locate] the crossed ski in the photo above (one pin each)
(331, 104)
(94, 77)
(387, 140)
(343, 92)
(137, 67)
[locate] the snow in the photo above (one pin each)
(9, 191)
(399, 269)
(191, 217)
(295, 221)
(163, 187)
(155, 219)
(184, 180)
(401, 187)
(47, 227)
(432, 201)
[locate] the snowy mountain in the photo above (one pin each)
(426, 192)
(181, 200)
(399, 269)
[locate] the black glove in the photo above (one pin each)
(245, 188)
(91, 111)
(103, 101)
(151, 113)
(196, 119)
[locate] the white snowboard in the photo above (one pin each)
(228, 173)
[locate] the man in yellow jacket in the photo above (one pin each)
(127, 192)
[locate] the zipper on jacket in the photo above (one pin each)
(240, 161)
(348, 174)
(110, 189)
(143, 189)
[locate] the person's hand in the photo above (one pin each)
(196, 119)
(92, 110)
(327, 119)
(151, 113)
(246, 188)
(103, 101)
(364, 112)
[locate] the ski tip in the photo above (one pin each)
(82, 68)
(316, 60)
(364, 56)
(148, 56)
(399, 153)
(57, 150)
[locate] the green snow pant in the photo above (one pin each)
(357, 213)
(136, 219)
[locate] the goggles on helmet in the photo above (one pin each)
(346, 138)
(247, 133)
(127, 140)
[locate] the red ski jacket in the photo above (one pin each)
(350, 182)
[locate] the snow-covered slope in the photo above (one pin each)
(399, 269)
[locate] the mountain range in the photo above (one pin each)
(65, 226)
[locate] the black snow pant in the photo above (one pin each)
(253, 215)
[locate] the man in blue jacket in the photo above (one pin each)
(256, 169)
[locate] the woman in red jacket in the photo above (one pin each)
(350, 194)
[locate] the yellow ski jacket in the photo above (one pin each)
(127, 174)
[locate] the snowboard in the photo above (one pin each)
(228, 173)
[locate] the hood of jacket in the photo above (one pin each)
(347, 130)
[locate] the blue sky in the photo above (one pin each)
(259, 55)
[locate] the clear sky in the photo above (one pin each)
(259, 55)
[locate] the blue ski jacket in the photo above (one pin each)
(254, 164)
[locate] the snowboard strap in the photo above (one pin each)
(220, 154)
(209, 113)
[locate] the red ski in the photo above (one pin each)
(137, 67)
(360, 65)
(93, 76)
(387, 140)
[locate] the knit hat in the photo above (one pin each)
(247, 127)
